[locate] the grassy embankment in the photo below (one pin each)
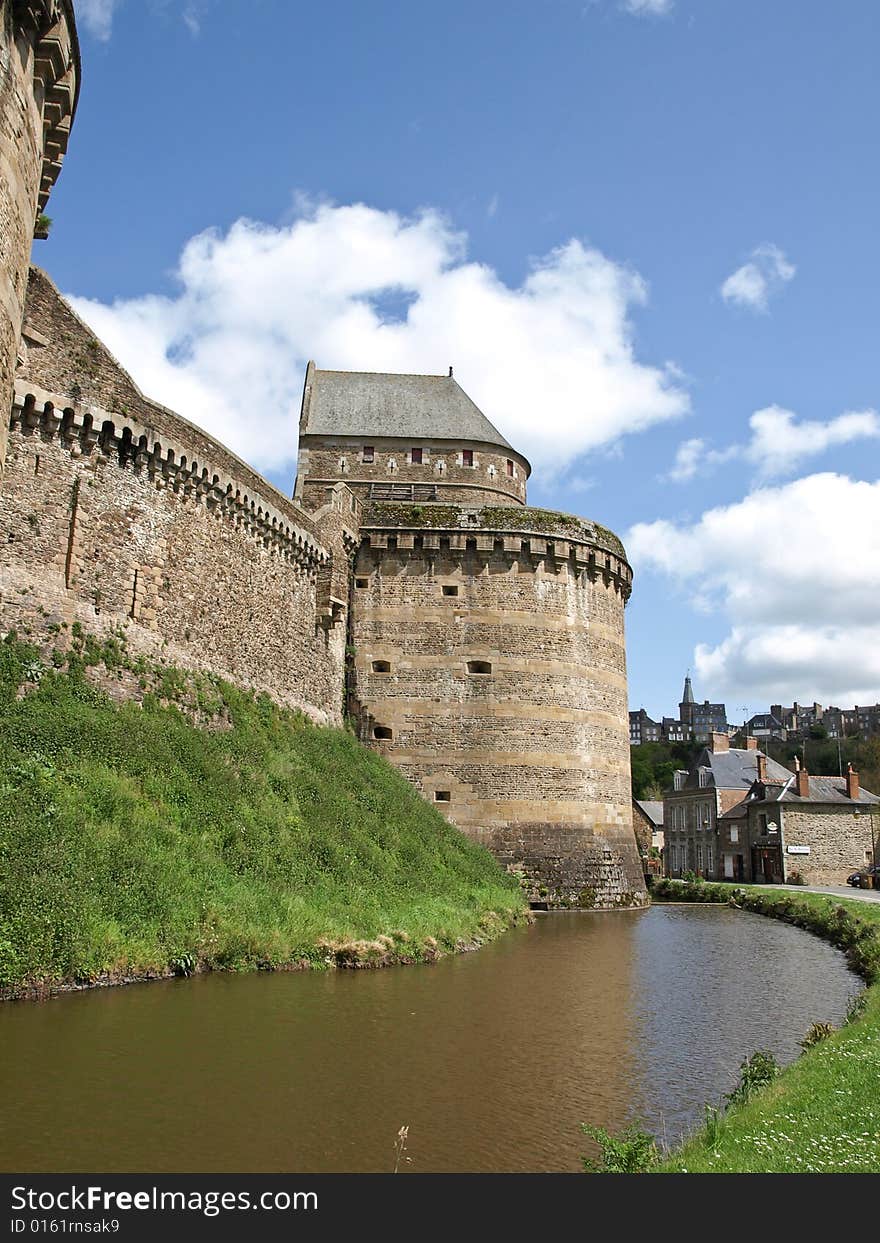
(135, 843)
(822, 1114)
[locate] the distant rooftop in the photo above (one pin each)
(735, 769)
(374, 404)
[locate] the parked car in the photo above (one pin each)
(857, 878)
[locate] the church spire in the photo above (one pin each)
(688, 697)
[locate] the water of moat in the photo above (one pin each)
(491, 1059)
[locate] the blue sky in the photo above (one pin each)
(643, 232)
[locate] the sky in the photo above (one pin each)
(642, 231)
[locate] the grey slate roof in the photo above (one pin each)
(826, 790)
(653, 810)
(822, 790)
(735, 769)
(373, 404)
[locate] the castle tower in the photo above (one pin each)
(39, 84)
(487, 637)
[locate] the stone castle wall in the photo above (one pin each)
(489, 666)
(39, 74)
(123, 516)
(489, 481)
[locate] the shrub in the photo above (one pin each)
(816, 1034)
(633, 1151)
(755, 1073)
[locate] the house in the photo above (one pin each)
(822, 828)
(766, 725)
(676, 731)
(719, 779)
(642, 728)
(648, 827)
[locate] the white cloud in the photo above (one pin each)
(779, 445)
(765, 273)
(550, 361)
(192, 19)
(97, 16)
(694, 457)
(795, 571)
(647, 8)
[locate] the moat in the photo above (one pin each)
(491, 1059)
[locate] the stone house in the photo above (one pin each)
(823, 828)
(716, 781)
(648, 827)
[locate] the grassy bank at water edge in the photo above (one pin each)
(822, 1113)
(134, 842)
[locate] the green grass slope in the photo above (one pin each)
(133, 842)
(822, 1114)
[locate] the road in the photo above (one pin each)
(834, 891)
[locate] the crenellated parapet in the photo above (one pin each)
(92, 432)
(50, 29)
(39, 87)
(173, 545)
(528, 537)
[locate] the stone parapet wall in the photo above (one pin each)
(103, 525)
(494, 659)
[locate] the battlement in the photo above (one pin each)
(283, 528)
(50, 27)
(523, 535)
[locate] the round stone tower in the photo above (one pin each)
(486, 638)
(39, 84)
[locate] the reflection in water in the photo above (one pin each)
(492, 1059)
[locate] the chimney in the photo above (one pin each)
(803, 779)
(852, 782)
(718, 743)
(751, 744)
(762, 767)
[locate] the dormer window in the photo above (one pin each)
(369, 453)
(467, 457)
(415, 457)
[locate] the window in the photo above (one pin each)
(467, 457)
(442, 796)
(450, 589)
(509, 468)
(415, 457)
(360, 583)
(382, 731)
(481, 667)
(381, 666)
(368, 454)
(734, 835)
